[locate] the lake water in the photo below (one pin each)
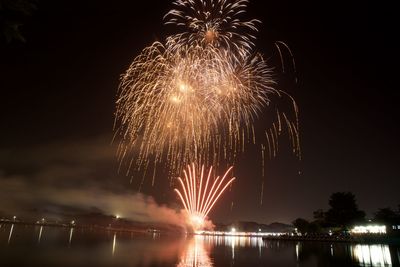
(22, 246)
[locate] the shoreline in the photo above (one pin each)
(97, 227)
(351, 239)
(392, 240)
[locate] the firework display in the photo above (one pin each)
(214, 22)
(200, 193)
(196, 97)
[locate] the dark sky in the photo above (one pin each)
(58, 91)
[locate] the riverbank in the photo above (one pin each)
(345, 239)
(91, 227)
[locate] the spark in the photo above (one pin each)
(199, 194)
(196, 96)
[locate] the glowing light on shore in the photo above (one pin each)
(199, 193)
(235, 232)
(369, 229)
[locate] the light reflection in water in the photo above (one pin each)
(40, 234)
(197, 251)
(372, 255)
(196, 254)
(235, 241)
(398, 254)
(155, 236)
(114, 243)
(71, 231)
(10, 235)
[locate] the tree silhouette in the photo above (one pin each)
(13, 14)
(387, 216)
(344, 210)
(319, 215)
(301, 224)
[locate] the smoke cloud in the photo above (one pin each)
(71, 177)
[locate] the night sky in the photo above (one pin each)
(59, 88)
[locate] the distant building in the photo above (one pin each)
(395, 228)
(369, 229)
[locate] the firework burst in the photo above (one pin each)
(215, 22)
(200, 193)
(190, 105)
(196, 97)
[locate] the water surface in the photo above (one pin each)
(22, 245)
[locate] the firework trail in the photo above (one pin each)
(196, 97)
(200, 193)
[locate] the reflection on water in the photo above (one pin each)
(40, 234)
(196, 254)
(10, 235)
(91, 247)
(372, 255)
(197, 251)
(366, 255)
(398, 255)
(113, 244)
(71, 232)
(233, 241)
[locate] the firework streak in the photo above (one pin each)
(199, 194)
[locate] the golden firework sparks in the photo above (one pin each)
(200, 193)
(196, 97)
(215, 22)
